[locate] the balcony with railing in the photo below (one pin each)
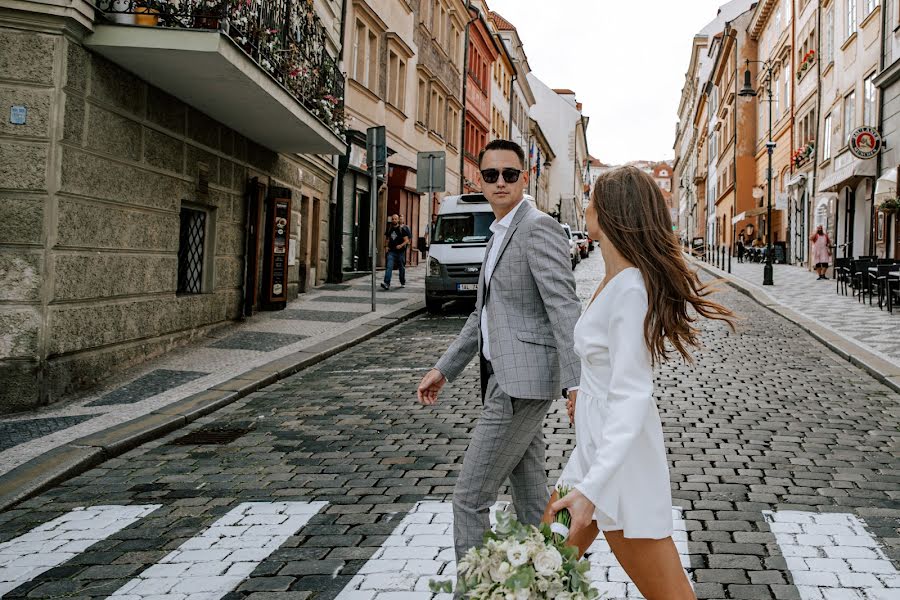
(260, 67)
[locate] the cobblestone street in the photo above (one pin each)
(334, 483)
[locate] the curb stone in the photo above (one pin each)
(76, 457)
(884, 371)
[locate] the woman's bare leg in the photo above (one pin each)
(653, 565)
(583, 539)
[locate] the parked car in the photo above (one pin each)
(574, 251)
(456, 253)
(583, 244)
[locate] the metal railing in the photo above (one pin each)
(284, 37)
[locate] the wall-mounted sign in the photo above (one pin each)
(865, 142)
(18, 115)
(278, 234)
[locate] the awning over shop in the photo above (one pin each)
(848, 174)
(753, 212)
(886, 186)
(823, 199)
(798, 179)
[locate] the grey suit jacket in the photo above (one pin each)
(532, 310)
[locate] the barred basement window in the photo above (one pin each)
(190, 251)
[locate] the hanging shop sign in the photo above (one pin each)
(865, 142)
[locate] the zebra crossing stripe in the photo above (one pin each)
(611, 580)
(831, 556)
(420, 549)
(215, 562)
(57, 541)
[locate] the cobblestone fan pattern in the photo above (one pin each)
(766, 421)
(19, 432)
(798, 289)
(224, 353)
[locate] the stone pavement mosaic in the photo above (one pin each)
(799, 290)
(12, 434)
(784, 463)
(225, 352)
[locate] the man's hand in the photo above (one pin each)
(581, 509)
(570, 405)
(429, 387)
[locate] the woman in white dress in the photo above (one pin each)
(618, 470)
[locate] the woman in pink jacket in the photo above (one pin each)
(821, 250)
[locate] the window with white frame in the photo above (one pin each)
(778, 21)
(452, 126)
(849, 113)
(826, 141)
(422, 109)
(870, 5)
(365, 55)
(869, 100)
(828, 41)
(851, 17)
(396, 80)
(786, 92)
(438, 120)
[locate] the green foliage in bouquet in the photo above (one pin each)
(522, 562)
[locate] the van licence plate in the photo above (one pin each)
(466, 287)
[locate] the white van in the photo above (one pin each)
(455, 255)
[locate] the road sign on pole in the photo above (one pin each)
(431, 171)
(376, 148)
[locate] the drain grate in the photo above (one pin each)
(219, 436)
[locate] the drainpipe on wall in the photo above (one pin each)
(341, 163)
(879, 161)
(811, 217)
(465, 108)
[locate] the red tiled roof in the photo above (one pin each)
(501, 23)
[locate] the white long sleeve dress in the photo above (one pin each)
(619, 461)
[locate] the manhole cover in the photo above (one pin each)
(220, 436)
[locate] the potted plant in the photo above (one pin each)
(147, 13)
(890, 206)
(208, 14)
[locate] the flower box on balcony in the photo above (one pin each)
(804, 153)
(808, 59)
(262, 68)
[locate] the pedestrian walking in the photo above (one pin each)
(397, 241)
(821, 247)
(618, 472)
(521, 327)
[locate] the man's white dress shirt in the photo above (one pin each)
(499, 229)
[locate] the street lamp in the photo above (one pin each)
(749, 92)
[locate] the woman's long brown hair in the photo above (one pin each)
(633, 214)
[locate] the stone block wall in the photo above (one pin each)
(90, 193)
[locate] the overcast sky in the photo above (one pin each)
(625, 60)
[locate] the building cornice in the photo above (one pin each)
(760, 18)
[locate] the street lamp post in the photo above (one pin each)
(748, 92)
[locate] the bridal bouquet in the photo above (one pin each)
(523, 562)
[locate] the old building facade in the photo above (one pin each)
(140, 207)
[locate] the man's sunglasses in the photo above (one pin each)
(492, 175)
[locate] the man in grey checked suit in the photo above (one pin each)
(523, 326)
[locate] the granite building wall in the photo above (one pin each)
(91, 188)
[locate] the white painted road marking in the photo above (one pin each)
(57, 541)
(831, 556)
(215, 562)
(420, 549)
(610, 579)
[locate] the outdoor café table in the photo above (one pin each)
(892, 278)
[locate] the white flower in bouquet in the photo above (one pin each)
(517, 555)
(548, 561)
(519, 562)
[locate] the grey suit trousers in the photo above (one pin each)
(508, 442)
